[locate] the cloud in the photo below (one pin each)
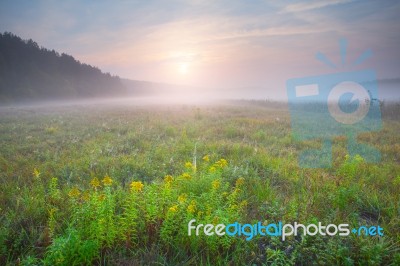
(300, 7)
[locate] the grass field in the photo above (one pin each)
(116, 185)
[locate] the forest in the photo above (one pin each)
(30, 72)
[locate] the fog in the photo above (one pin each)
(177, 95)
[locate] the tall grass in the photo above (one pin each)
(117, 185)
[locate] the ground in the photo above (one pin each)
(109, 184)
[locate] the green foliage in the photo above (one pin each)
(351, 167)
(71, 249)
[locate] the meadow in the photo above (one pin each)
(108, 184)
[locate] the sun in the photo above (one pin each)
(183, 68)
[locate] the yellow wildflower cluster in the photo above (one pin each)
(216, 184)
(168, 178)
(206, 158)
(36, 173)
(239, 181)
(173, 208)
(182, 198)
(192, 207)
(212, 169)
(136, 186)
(189, 165)
(222, 163)
(243, 204)
(74, 193)
(186, 176)
(218, 164)
(215, 220)
(95, 183)
(107, 181)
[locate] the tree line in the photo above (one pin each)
(30, 72)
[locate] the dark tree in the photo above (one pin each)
(30, 72)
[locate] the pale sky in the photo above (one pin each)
(214, 44)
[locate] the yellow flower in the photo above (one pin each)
(206, 158)
(216, 184)
(188, 165)
(239, 181)
(192, 207)
(137, 186)
(74, 193)
(215, 220)
(173, 208)
(95, 183)
(186, 176)
(212, 169)
(107, 181)
(222, 163)
(36, 173)
(168, 178)
(182, 198)
(244, 203)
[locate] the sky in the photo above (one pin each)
(213, 44)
